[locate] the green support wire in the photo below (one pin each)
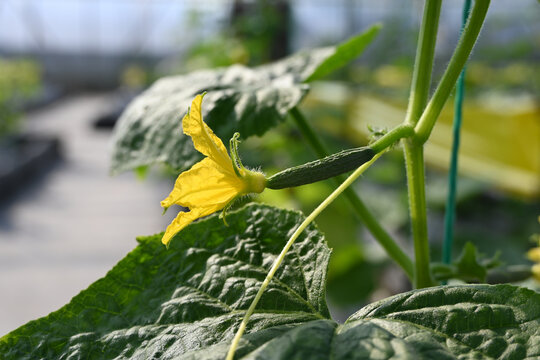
(452, 174)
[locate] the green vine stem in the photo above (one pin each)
(392, 137)
(413, 149)
(369, 220)
(414, 160)
(457, 62)
(423, 63)
(308, 220)
(414, 155)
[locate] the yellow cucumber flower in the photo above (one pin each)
(214, 182)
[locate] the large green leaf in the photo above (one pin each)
(241, 99)
(159, 303)
(247, 100)
(450, 322)
(187, 302)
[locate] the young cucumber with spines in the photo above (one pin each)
(330, 166)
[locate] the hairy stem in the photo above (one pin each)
(414, 156)
(414, 160)
(413, 149)
(369, 220)
(392, 137)
(423, 63)
(308, 220)
(457, 62)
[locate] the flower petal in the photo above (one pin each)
(205, 184)
(185, 218)
(204, 139)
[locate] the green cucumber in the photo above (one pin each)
(330, 166)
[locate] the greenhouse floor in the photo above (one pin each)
(72, 224)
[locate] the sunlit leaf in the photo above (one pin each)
(159, 303)
(247, 100)
(187, 302)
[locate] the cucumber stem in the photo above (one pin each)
(414, 156)
(423, 64)
(414, 162)
(392, 137)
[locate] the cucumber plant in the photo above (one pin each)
(210, 294)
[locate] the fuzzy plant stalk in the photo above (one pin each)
(413, 153)
(424, 120)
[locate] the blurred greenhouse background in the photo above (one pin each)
(68, 68)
